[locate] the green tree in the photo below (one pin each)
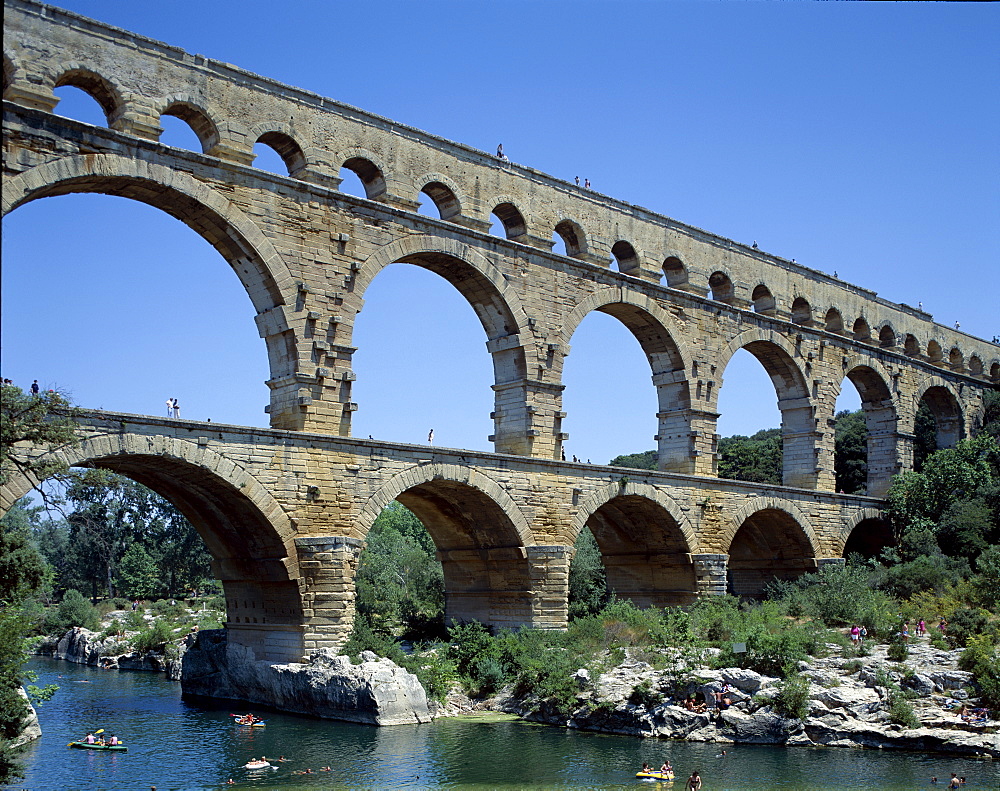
(640, 461)
(851, 452)
(138, 574)
(588, 586)
(44, 422)
(924, 435)
(757, 458)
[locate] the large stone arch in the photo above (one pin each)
(238, 240)
(798, 424)
(247, 532)
(944, 402)
(885, 447)
(768, 538)
(646, 542)
(668, 357)
(481, 536)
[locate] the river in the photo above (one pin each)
(177, 744)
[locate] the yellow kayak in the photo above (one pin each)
(655, 775)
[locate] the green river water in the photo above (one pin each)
(179, 744)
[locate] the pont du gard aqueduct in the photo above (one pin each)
(285, 510)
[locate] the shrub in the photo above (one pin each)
(898, 650)
(643, 694)
(967, 623)
(980, 658)
(792, 699)
(74, 610)
(901, 711)
(152, 638)
(436, 673)
(135, 621)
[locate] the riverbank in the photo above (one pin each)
(846, 700)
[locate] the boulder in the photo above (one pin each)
(30, 729)
(376, 691)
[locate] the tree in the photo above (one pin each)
(640, 461)
(46, 422)
(757, 458)
(138, 574)
(588, 586)
(851, 452)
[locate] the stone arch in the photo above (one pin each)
(995, 371)
(573, 236)
(481, 536)
(655, 331)
(763, 300)
(976, 365)
(368, 167)
(511, 218)
(798, 426)
(237, 239)
(801, 311)
(861, 331)
(834, 321)
(278, 135)
(675, 272)
(645, 541)
(944, 403)
(247, 532)
(626, 256)
(887, 336)
(934, 353)
(444, 194)
(956, 360)
(768, 538)
(911, 346)
(194, 114)
(721, 286)
(871, 380)
(103, 90)
(876, 528)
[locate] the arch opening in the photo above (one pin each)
(95, 86)
(956, 360)
(646, 556)
(571, 236)
(721, 288)
(763, 300)
(834, 321)
(444, 200)
(867, 447)
(975, 365)
(911, 346)
(947, 413)
(293, 160)
(371, 178)
(934, 353)
(869, 538)
(769, 545)
(511, 220)
(862, 332)
(78, 105)
(801, 311)
(675, 272)
(995, 372)
(194, 121)
(624, 257)
(887, 337)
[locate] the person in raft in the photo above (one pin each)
(90, 739)
(645, 768)
(666, 768)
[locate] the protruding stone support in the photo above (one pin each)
(527, 419)
(548, 568)
(328, 565)
(710, 574)
(686, 441)
(34, 96)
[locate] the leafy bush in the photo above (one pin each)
(74, 610)
(154, 637)
(792, 699)
(901, 711)
(966, 623)
(898, 650)
(980, 658)
(135, 621)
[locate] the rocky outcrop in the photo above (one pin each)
(84, 647)
(376, 691)
(846, 705)
(30, 729)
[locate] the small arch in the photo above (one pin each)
(675, 272)
(287, 148)
(372, 178)
(199, 121)
(911, 346)
(867, 533)
(511, 219)
(99, 88)
(833, 321)
(995, 372)
(624, 255)
(721, 288)
(444, 199)
(887, 337)
(956, 359)
(763, 300)
(572, 235)
(774, 541)
(862, 332)
(934, 352)
(975, 365)
(946, 409)
(801, 311)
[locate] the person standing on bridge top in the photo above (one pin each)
(430, 437)
(177, 408)
(170, 407)
(34, 388)
(500, 153)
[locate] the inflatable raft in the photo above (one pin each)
(655, 775)
(117, 748)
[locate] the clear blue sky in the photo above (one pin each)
(856, 137)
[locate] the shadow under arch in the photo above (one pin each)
(246, 531)
(481, 538)
(768, 539)
(223, 225)
(944, 404)
(498, 308)
(866, 532)
(871, 381)
(645, 541)
(668, 358)
(798, 427)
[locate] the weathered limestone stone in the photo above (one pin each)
(30, 728)
(375, 692)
